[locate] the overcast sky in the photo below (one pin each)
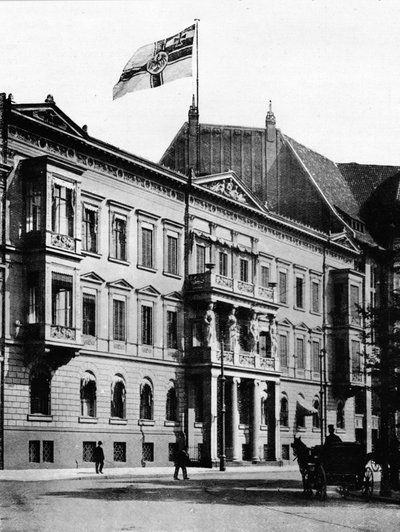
(331, 69)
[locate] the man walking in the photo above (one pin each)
(99, 458)
(180, 462)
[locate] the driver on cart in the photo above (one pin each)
(332, 437)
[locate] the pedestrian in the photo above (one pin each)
(99, 457)
(181, 461)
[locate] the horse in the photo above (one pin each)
(303, 455)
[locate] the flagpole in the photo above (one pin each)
(197, 20)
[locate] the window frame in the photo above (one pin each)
(88, 207)
(57, 308)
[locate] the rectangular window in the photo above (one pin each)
(62, 300)
(197, 333)
(244, 270)
(63, 210)
(88, 448)
(34, 451)
(283, 350)
(223, 263)
(299, 292)
(172, 329)
(282, 287)
(33, 297)
(300, 353)
(265, 276)
(316, 359)
(200, 259)
(355, 304)
(118, 238)
(338, 298)
(33, 208)
(172, 254)
(315, 297)
(89, 229)
(148, 452)
(119, 320)
(147, 247)
(89, 314)
(48, 451)
(355, 357)
(147, 325)
(119, 451)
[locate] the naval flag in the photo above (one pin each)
(158, 63)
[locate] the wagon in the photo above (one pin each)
(344, 465)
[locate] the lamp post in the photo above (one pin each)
(222, 457)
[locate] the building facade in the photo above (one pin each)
(129, 286)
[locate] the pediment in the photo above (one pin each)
(149, 290)
(285, 323)
(92, 277)
(317, 330)
(174, 296)
(344, 240)
(230, 186)
(52, 116)
(121, 284)
(302, 327)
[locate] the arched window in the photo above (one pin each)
(88, 395)
(146, 401)
(284, 412)
(118, 396)
(171, 407)
(316, 420)
(340, 415)
(40, 391)
(300, 413)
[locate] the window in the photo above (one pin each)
(338, 298)
(33, 208)
(48, 451)
(62, 299)
(300, 419)
(200, 258)
(355, 357)
(316, 359)
(284, 412)
(34, 451)
(119, 320)
(147, 247)
(265, 344)
(146, 401)
(244, 270)
(88, 448)
(198, 401)
(244, 402)
(316, 421)
(223, 263)
(147, 325)
(63, 209)
(282, 290)
(148, 452)
(40, 392)
(171, 413)
(118, 395)
(355, 304)
(197, 333)
(172, 329)
(88, 395)
(264, 276)
(172, 254)
(340, 424)
(89, 228)
(299, 292)
(89, 314)
(300, 353)
(283, 350)
(315, 297)
(119, 451)
(33, 297)
(118, 237)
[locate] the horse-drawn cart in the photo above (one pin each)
(344, 465)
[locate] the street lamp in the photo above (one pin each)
(222, 457)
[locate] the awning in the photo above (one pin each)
(117, 379)
(88, 377)
(305, 408)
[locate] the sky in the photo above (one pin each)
(331, 69)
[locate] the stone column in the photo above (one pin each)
(236, 454)
(256, 422)
(278, 447)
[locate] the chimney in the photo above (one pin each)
(271, 189)
(193, 155)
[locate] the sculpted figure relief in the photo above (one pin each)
(233, 330)
(209, 320)
(254, 333)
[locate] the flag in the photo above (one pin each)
(158, 63)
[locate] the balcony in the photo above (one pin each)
(208, 281)
(242, 359)
(357, 378)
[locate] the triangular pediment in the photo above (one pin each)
(174, 296)
(230, 186)
(301, 327)
(317, 330)
(92, 277)
(51, 115)
(344, 240)
(285, 323)
(149, 290)
(121, 284)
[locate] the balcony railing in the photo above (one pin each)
(209, 280)
(357, 377)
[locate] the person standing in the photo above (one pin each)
(181, 461)
(99, 457)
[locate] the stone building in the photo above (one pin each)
(128, 284)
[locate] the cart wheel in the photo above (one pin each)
(367, 484)
(307, 491)
(320, 483)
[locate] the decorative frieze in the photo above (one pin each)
(62, 333)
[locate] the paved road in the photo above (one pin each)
(230, 501)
